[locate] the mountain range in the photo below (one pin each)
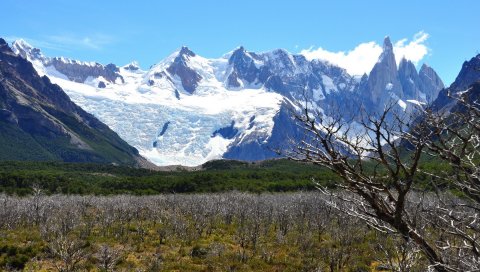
(239, 106)
(187, 109)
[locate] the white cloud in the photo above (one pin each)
(414, 50)
(363, 57)
(96, 42)
(68, 42)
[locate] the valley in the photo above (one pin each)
(239, 136)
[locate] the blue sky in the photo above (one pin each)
(148, 31)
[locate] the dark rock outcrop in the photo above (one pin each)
(226, 132)
(469, 73)
(409, 80)
(244, 68)
(164, 128)
(180, 68)
(431, 83)
(467, 82)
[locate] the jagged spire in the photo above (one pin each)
(387, 44)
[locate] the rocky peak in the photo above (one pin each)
(4, 46)
(407, 67)
(386, 84)
(281, 54)
(410, 80)
(21, 44)
(467, 83)
(132, 66)
(424, 67)
(281, 62)
(364, 78)
(183, 55)
(185, 51)
(431, 82)
(239, 57)
(383, 82)
(243, 68)
(388, 57)
(408, 72)
(469, 74)
(387, 44)
(179, 67)
(27, 51)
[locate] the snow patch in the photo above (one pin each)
(402, 104)
(416, 102)
(329, 85)
(389, 87)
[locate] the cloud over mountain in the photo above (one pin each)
(363, 57)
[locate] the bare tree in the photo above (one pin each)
(257, 224)
(69, 250)
(457, 145)
(399, 255)
(107, 257)
(377, 175)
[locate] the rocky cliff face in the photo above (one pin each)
(466, 83)
(469, 73)
(430, 83)
(410, 80)
(244, 70)
(384, 82)
(38, 121)
(179, 68)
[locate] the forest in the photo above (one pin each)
(216, 176)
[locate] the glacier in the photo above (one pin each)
(137, 111)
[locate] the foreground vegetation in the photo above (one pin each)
(197, 232)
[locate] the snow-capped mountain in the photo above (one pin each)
(188, 109)
(73, 70)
